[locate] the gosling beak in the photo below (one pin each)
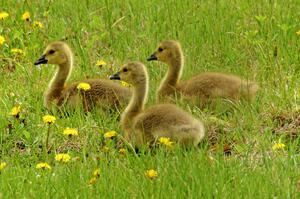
(41, 60)
(115, 76)
(152, 57)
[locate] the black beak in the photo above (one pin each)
(41, 60)
(152, 57)
(115, 76)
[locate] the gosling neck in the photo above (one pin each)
(174, 72)
(137, 102)
(57, 83)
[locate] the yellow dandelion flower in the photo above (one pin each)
(15, 110)
(43, 165)
(151, 174)
(101, 63)
(96, 173)
(93, 180)
(17, 51)
(110, 134)
(298, 32)
(63, 157)
(49, 119)
(83, 86)
(165, 141)
(122, 151)
(2, 165)
(3, 15)
(278, 146)
(26, 16)
(38, 24)
(125, 84)
(2, 40)
(70, 132)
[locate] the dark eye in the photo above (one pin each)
(51, 52)
(125, 70)
(160, 49)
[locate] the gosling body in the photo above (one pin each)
(161, 120)
(201, 89)
(103, 93)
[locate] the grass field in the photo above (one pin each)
(255, 40)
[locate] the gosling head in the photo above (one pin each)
(56, 53)
(166, 52)
(133, 73)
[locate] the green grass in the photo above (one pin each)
(256, 41)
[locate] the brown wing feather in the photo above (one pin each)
(213, 85)
(105, 93)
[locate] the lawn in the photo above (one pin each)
(250, 150)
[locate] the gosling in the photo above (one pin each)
(103, 93)
(142, 126)
(202, 89)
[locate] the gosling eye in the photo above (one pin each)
(160, 49)
(51, 52)
(125, 70)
